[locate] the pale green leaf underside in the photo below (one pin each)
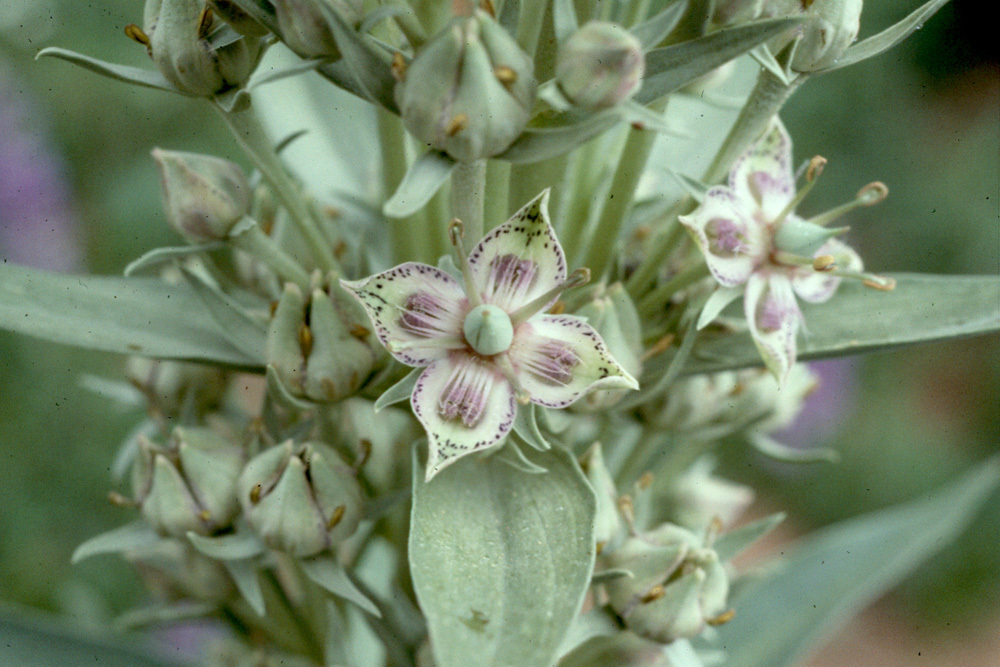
(139, 315)
(857, 319)
(501, 558)
(838, 571)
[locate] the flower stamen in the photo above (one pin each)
(538, 304)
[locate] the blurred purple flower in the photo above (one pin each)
(825, 408)
(38, 225)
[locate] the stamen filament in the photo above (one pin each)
(871, 194)
(875, 281)
(507, 368)
(575, 279)
(812, 176)
(456, 232)
(443, 342)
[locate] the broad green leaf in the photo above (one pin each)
(655, 29)
(424, 178)
(28, 639)
(145, 316)
(888, 38)
(328, 573)
(541, 143)
(838, 571)
(857, 319)
(141, 77)
(130, 536)
(501, 559)
(671, 67)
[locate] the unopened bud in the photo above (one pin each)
(305, 29)
(830, 27)
(600, 65)
(203, 196)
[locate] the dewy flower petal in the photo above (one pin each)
(773, 317)
(733, 243)
(417, 311)
(520, 260)
(558, 358)
(465, 404)
(764, 173)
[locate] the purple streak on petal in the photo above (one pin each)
(38, 226)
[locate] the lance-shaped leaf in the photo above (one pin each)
(857, 319)
(541, 143)
(838, 571)
(154, 258)
(501, 558)
(140, 77)
(422, 180)
(655, 29)
(144, 316)
(671, 67)
(888, 38)
(130, 536)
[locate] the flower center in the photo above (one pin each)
(488, 330)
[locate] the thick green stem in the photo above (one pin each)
(667, 237)
(468, 193)
(528, 180)
(250, 134)
(258, 244)
(657, 299)
(497, 206)
(603, 241)
(408, 237)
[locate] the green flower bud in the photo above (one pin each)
(699, 497)
(613, 314)
(190, 486)
(194, 51)
(238, 19)
(305, 29)
(600, 65)
(729, 12)
(385, 437)
(469, 92)
(320, 350)
(831, 26)
(679, 584)
(300, 499)
(203, 196)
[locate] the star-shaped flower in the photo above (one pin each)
(755, 245)
(487, 345)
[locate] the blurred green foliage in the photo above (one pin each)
(922, 118)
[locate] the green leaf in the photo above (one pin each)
(731, 543)
(655, 29)
(623, 649)
(399, 392)
(424, 178)
(158, 256)
(568, 132)
(262, 78)
(241, 329)
(29, 639)
(564, 21)
(671, 67)
(236, 546)
(144, 316)
(858, 319)
(244, 575)
(501, 559)
(140, 77)
(888, 38)
(160, 613)
(130, 536)
(328, 573)
(838, 571)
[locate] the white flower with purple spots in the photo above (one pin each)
(755, 245)
(488, 345)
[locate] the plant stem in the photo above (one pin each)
(497, 205)
(255, 242)
(468, 192)
(659, 297)
(250, 135)
(407, 235)
(529, 25)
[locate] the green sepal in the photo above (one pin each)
(161, 613)
(135, 75)
(670, 67)
(622, 649)
(773, 449)
(130, 536)
(276, 388)
(234, 546)
(244, 575)
(154, 258)
(422, 181)
(733, 542)
(655, 29)
(399, 392)
(326, 572)
(885, 40)
(512, 454)
(526, 427)
(564, 21)
(610, 575)
(561, 135)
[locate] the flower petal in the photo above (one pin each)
(417, 311)
(558, 358)
(519, 260)
(816, 286)
(773, 317)
(764, 173)
(465, 405)
(733, 243)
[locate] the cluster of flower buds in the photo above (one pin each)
(469, 91)
(300, 498)
(600, 66)
(318, 347)
(197, 53)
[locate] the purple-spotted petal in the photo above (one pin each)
(519, 260)
(465, 405)
(763, 175)
(816, 286)
(733, 243)
(773, 317)
(417, 311)
(559, 358)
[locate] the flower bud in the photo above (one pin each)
(190, 486)
(699, 497)
(325, 354)
(194, 51)
(300, 499)
(679, 584)
(612, 313)
(600, 65)
(469, 92)
(729, 12)
(305, 29)
(240, 21)
(830, 27)
(387, 437)
(203, 196)
(168, 385)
